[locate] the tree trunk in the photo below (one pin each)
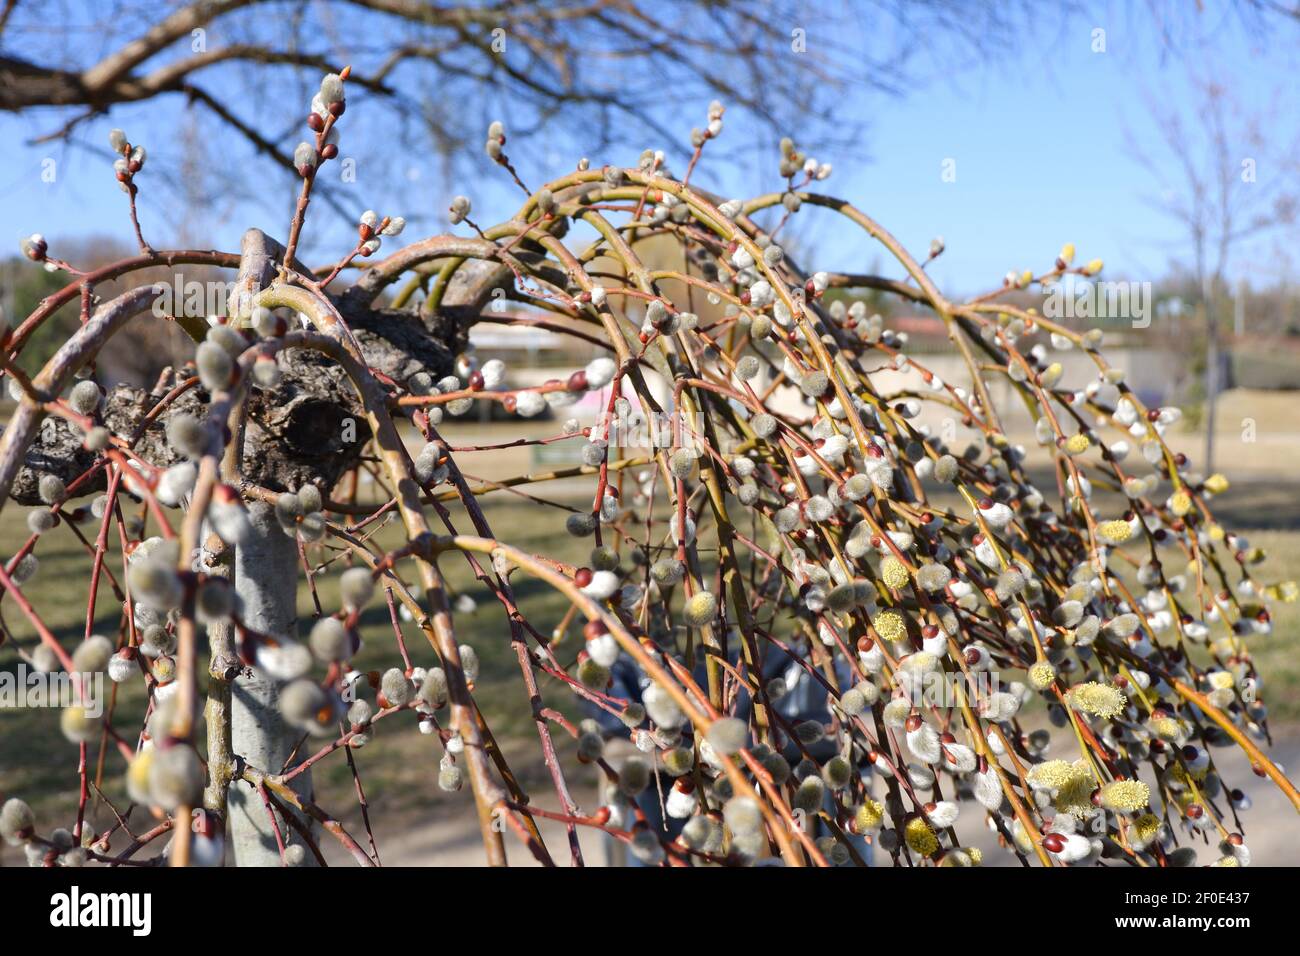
(290, 435)
(266, 578)
(1212, 380)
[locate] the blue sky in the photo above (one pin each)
(1040, 141)
(1043, 155)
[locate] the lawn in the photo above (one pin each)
(399, 767)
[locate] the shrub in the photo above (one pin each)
(813, 528)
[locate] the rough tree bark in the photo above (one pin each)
(294, 433)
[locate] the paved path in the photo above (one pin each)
(1272, 826)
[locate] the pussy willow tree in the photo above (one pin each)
(815, 517)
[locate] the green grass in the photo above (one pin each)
(399, 767)
(1278, 655)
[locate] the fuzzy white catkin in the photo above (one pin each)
(356, 587)
(92, 655)
(396, 687)
(600, 372)
(661, 708)
(682, 463)
(529, 404)
(763, 424)
(667, 571)
(602, 586)
(40, 520)
(120, 669)
(187, 435)
(329, 640)
(85, 397)
(727, 735)
(51, 489)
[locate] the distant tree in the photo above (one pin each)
(433, 73)
(1227, 178)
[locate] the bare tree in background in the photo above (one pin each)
(1226, 179)
(563, 72)
(443, 69)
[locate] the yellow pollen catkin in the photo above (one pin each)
(1072, 785)
(1101, 700)
(1287, 591)
(1076, 796)
(894, 573)
(1166, 728)
(1216, 484)
(920, 837)
(890, 626)
(1221, 680)
(1042, 675)
(1115, 532)
(1054, 774)
(1146, 827)
(1125, 796)
(1077, 444)
(869, 816)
